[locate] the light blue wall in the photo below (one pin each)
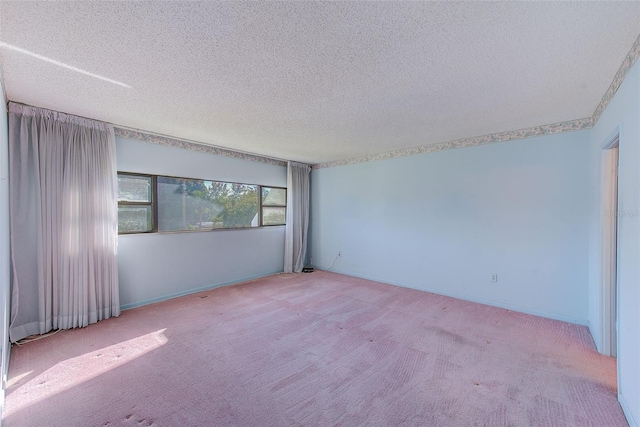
(445, 221)
(153, 267)
(624, 113)
(4, 242)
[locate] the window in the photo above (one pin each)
(193, 204)
(274, 205)
(135, 203)
(150, 203)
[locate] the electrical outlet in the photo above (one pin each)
(494, 277)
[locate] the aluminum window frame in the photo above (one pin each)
(152, 202)
(155, 211)
(262, 206)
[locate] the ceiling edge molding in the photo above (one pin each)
(569, 126)
(4, 91)
(628, 62)
(193, 146)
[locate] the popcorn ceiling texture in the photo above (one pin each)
(569, 126)
(321, 83)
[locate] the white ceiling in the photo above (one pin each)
(314, 81)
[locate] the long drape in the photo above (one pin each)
(295, 244)
(63, 216)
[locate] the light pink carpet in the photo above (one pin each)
(317, 349)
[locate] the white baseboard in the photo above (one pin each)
(192, 291)
(593, 336)
(627, 411)
(506, 306)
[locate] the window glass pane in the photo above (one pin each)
(134, 188)
(274, 196)
(239, 205)
(273, 216)
(134, 219)
(192, 204)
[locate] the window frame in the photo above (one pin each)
(155, 213)
(152, 203)
(262, 206)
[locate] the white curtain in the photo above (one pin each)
(295, 244)
(63, 215)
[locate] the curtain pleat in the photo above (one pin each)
(295, 246)
(63, 215)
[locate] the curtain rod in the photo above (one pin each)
(172, 141)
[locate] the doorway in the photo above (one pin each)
(608, 246)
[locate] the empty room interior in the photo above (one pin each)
(320, 213)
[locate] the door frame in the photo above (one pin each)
(608, 243)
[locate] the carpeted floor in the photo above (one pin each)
(317, 349)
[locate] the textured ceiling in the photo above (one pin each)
(312, 81)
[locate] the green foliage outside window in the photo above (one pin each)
(188, 204)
